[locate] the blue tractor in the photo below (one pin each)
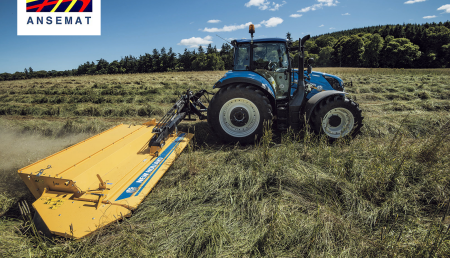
(263, 86)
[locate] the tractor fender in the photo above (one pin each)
(248, 77)
(312, 102)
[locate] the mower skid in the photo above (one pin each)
(100, 180)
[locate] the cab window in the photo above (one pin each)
(242, 57)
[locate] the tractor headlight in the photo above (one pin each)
(334, 83)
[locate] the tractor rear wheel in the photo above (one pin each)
(237, 113)
(337, 117)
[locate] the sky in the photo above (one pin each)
(139, 26)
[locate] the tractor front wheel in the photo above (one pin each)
(237, 113)
(337, 117)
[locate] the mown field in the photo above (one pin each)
(385, 193)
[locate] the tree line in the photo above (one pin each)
(200, 59)
(393, 46)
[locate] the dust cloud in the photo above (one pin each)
(18, 150)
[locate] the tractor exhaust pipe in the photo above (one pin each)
(301, 61)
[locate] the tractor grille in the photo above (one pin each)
(334, 83)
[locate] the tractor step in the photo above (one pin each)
(100, 180)
(282, 116)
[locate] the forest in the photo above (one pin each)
(385, 46)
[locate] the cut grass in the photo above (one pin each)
(385, 193)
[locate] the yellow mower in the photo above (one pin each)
(104, 178)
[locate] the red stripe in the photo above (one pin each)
(47, 3)
(85, 4)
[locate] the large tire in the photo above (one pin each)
(337, 117)
(237, 113)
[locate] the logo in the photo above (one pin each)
(132, 190)
(59, 6)
(58, 17)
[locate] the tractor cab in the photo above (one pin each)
(268, 58)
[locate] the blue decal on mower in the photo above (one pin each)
(133, 188)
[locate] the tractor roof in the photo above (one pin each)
(239, 41)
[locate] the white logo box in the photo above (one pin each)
(83, 24)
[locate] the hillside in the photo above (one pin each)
(394, 46)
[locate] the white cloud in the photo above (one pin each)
(230, 28)
(429, 17)
(264, 4)
(332, 28)
(296, 15)
(320, 5)
(277, 6)
(261, 4)
(445, 8)
(345, 14)
(214, 21)
(194, 42)
(272, 22)
(306, 9)
(414, 1)
(321, 25)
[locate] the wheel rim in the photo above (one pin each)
(239, 117)
(338, 122)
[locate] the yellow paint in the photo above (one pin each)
(80, 185)
(30, 1)
(70, 6)
(56, 6)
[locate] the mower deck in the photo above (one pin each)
(100, 180)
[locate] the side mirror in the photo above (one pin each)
(310, 63)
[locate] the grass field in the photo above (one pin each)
(384, 194)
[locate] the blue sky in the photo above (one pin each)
(139, 26)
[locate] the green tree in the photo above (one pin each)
(325, 41)
(348, 51)
(201, 50)
(185, 60)
(215, 62)
(226, 53)
(164, 60)
(113, 67)
(325, 56)
(372, 50)
(200, 62)
(400, 53)
(171, 60)
(288, 36)
(102, 66)
(446, 54)
(156, 63)
(311, 47)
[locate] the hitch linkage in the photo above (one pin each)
(188, 104)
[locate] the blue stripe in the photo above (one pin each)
(156, 164)
(148, 180)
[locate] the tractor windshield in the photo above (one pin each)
(270, 56)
